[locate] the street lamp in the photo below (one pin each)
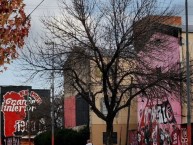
(52, 90)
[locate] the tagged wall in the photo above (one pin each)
(159, 119)
(23, 112)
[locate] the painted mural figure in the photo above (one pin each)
(184, 136)
(147, 135)
(165, 109)
(154, 136)
(175, 135)
(140, 136)
(167, 140)
(161, 136)
(160, 122)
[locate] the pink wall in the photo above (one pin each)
(158, 117)
(165, 55)
(69, 112)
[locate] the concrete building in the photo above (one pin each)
(183, 64)
(170, 31)
(97, 126)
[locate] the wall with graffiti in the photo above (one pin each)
(23, 111)
(159, 120)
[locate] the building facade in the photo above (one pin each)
(153, 121)
(76, 108)
(76, 112)
(160, 119)
(183, 63)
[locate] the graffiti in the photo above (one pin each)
(12, 141)
(133, 138)
(175, 135)
(157, 123)
(161, 113)
(159, 137)
(164, 136)
(14, 108)
(184, 136)
(36, 97)
(21, 126)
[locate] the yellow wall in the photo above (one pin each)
(98, 126)
(121, 117)
(183, 58)
(183, 50)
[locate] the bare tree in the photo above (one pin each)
(118, 38)
(42, 116)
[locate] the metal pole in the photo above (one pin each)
(52, 90)
(0, 118)
(29, 125)
(127, 129)
(188, 77)
(128, 117)
(52, 99)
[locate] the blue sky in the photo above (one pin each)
(10, 77)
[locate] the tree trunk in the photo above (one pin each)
(109, 132)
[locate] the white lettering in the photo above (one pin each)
(24, 93)
(22, 126)
(36, 97)
(13, 108)
(10, 101)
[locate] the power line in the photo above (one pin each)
(34, 9)
(45, 6)
(60, 15)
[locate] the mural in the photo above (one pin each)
(159, 121)
(20, 112)
(14, 108)
(184, 135)
(133, 137)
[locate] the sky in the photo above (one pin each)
(50, 7)
(11, 76)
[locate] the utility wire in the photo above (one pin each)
(34, 9)
(32, 12)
